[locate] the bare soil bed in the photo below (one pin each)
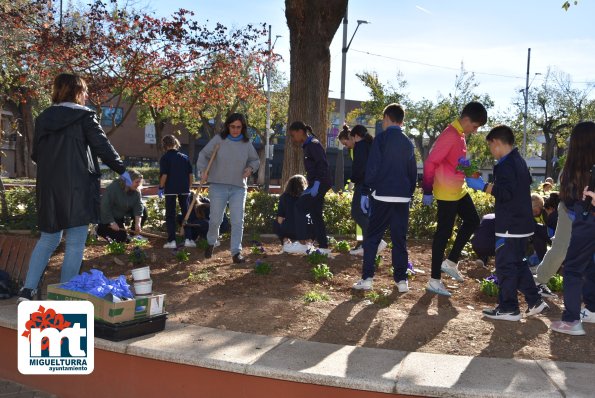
(219, 294)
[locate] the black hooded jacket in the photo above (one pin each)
(67, 142)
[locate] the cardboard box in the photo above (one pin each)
(110, 312)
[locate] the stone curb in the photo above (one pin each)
(361, 368)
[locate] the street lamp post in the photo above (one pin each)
(339, 170)
(267, 147)
(526, 95)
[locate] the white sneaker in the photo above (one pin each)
(381, 246)
(286, 246)
(358, 251)
(363, 284)
(403, 286)
(170, 245)
(436, 286)
(451, 270)
(189, 243)
(587, 316)
(324, 251)
(297, 248)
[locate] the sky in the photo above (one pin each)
(428, 41)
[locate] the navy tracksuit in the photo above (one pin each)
(361, 151)
(316, 167)
(514, 224)
(391, 175)
(579, 265)
(178, 169)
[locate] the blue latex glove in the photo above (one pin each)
(475, 183)
(314, 189)
(427, 200)
(365, 204)
(160, 192)
(126, 177)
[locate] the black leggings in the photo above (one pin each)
(447, 212)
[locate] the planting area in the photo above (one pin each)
(279, 294)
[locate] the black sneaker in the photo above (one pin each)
(545, 291)
(209, 251)
(238, 259)
(539, 307)
(25, 295)
(496, 313)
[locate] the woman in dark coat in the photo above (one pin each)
(68, 140)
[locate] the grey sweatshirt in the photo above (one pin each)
(231, 160)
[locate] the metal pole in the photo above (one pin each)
(339, 168)
(267, 171)
(526, 95)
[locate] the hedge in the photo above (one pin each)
(261, 208)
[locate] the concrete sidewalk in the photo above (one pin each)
(9, 389)
(358, 368)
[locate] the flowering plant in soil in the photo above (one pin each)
(469, 167)
(115, 248)
(556, 283)
(262, 267)
(257, 250)
(137, 256)
(182, 255)
(316, 257)
(489, 285)
(321, 272)
(343, 246)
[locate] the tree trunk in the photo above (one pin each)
(312, 25)
(23, 113)
(262, 168)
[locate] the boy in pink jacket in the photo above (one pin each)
(443, 181)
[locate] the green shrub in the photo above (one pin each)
(321, 272)
(155, 213)
(337, 214)
(22, 209)
(261, 210)
(556, 283)
(139, 242)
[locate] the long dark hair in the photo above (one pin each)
(295, 185)
(580, 159)
(232, 118)
(361, 132)
(299, 125)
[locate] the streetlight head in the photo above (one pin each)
(361, 21)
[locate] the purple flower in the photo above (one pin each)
(492, 278)
(463, 162)
(258, 262)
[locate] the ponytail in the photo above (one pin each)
(299, 125)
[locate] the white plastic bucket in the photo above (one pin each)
(143, 288)
(140, 274)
